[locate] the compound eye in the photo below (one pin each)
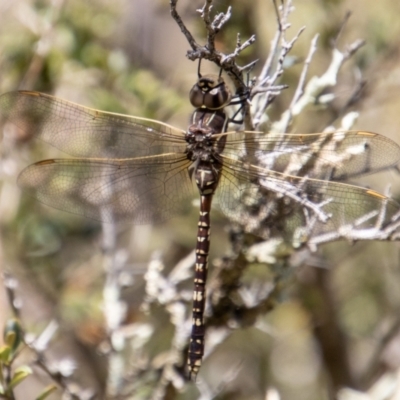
(210, 92)
(217, 98)
(196, 96)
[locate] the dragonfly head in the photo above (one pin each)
(210, 92)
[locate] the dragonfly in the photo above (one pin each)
(127, 168)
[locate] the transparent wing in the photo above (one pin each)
(337, 155)
(149, 186)
(252, 194)
(85, 132)
(141, 190)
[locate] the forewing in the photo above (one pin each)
(334, 156)
(85, 132)
(142, 190)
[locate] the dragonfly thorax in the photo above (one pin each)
(208, 121)
(200, 144)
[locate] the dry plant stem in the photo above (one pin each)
(239, 48)
(278, 19)
(280, 48)
(225, 286)
(352, 234)
(374, 365)
(266, 71)
(327, 328)
(278, 40)
(10, 284)
(164, 290)
(114, 311)
(302, 81)
(354, 46)
(351, 49)
(213, 27)
(42, 48)
(288, 115)
(342, 26)
(182, 26)
(315, 86)
(60, 380)
(38, 347)
(41, 343)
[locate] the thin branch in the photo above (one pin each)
(181, 25)
(315, 86)
(42, 47)
(341, 29)
(280, 48)
(287, 116)
(353, 48)
(302, 80)
(11, 284)
(278, 17)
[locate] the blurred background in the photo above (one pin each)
(334, 323)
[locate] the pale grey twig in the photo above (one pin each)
(114, 309)
(163, 290)
(314, 87)
(287, 116)
(239, 48)
(352, 48)
(268, 77)
(11, 284)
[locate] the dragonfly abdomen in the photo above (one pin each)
(196, 345)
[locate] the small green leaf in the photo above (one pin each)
(13, 333)
(9, 338)
(19, 375)
(1, 377)
(5, 352)
(46, 392)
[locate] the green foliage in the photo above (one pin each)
(11, 377)
(46, 392)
